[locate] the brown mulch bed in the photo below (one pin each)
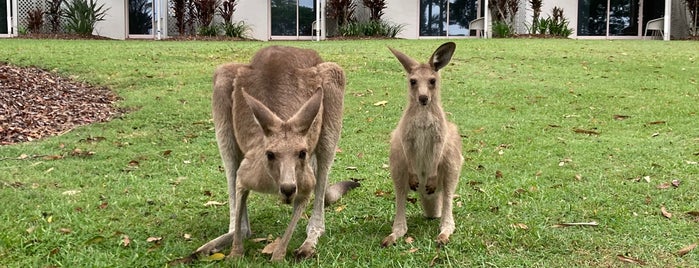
(35, 103)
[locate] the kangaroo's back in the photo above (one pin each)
(281, 78)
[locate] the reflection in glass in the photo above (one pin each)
(283, 17)
(461, 12)
(140, 16)
(3, 16)
(622, 17)
(592, 17)
(290, 16)
(433, 17)
(306, 16)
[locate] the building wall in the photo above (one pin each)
(256, 15)
(404, 12)
(114, 24)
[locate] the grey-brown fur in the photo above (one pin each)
(425, 150)
(278, 122)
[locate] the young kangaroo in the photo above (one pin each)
(278, 122)
(425, 151)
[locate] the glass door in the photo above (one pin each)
(447, 17)
(141, 18)
(5, 9)
(292, 19)
(616, 18)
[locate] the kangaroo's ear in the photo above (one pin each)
(442, 56)
(407, 62)
(264, 117)
(303, 118)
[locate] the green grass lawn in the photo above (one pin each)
(576, 131)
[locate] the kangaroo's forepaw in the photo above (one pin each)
(431, 185)
(388, 241)
(413, 183)
(442, 240)
(304, 252)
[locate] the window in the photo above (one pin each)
(140, 17)
(447, 17)
(5, 9)
(616, 17)
(292, 17)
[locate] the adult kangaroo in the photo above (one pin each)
(425, 154)
(278, 121)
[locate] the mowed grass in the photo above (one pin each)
(554, 131)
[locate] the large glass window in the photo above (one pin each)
(292, 17)
(141, 17)
(616, 17)
(4, 11)
(447, 17)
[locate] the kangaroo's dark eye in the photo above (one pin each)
(433, 81)
(413, 82)
(302, 154)
(270, 155)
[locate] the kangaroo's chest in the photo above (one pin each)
(422, 138)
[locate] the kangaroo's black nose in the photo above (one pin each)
(423, 99)
(288, 189)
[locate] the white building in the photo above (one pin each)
(294, 19)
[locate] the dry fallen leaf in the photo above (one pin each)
(65, 230)
(665, 213)
(187, 237)
(216, 257)
(381, 103)
(214, 203)
(520, 226)
(620, 117)
(630, 260)
(663, 185)
(569, 224)
(71, 192)
(412, 250)
(409, 240)
(269, 248)
(261, 239)
(585, 131)
(340, 208)
(94, 240)
(153, 239)
(686, 250)
(126, 241)
(676, 183)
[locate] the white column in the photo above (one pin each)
(668, 17)
(486, 20)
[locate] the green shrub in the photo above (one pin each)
(237, 29)
(211, 30)
(371, 28)
(501, 29)
(81, 16)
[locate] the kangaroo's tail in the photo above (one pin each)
(335, 191)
